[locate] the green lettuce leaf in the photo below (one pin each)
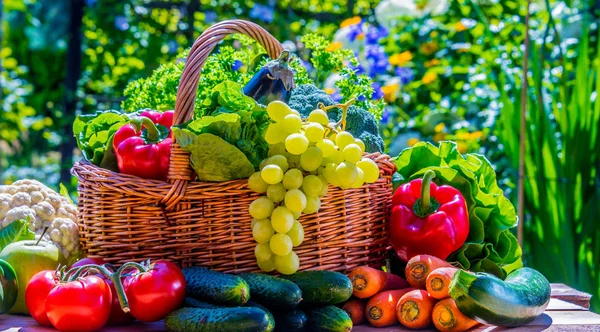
(94, 133)
(18, 230)
(213, 158)
(491, 246)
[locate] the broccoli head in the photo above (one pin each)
(362, 124)
(306, 97)
(373, 143)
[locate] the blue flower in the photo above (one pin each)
(377, 92)
(374, 34)
(378, 60)
(385, 117)
(237, 64)
(262, 12)
(210, 16)
(406, 75)
(354, 31)
(336, 96)
(359, 69)
(173, 46)
(307, 65)
(121, 23)
(90, 3)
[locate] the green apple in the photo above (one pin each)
(29, 258)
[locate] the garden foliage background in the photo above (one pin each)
(446, 69)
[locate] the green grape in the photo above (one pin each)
(360, 143)
(282, 219)
(296, 143)
(337, 157)
(329, 174)
(256, 183)
(261, 208)
(276, 149)
(346, 174)
(296, 233)
(254, 221)
(324, 186)
(296, 112)
(360, 179)
(280, 244)
(314, 132)
(263, 163)
(295, 200)
(287, 264)
(370, 169)
(292, 179)
(327, 146)
(280, 161)
(263, 252)
(276, 192)
(311, 159)
(296, 215)
(313, 204)
(277, 110)
(262, 231)
(312, 185)
(267, 266)
(272, 174)
(352, 153)
(293, 160)
(318, 116)
(342, 139)
(275, 133)
(292, 123)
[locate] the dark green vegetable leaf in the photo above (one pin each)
(490, 247)
(18, 230)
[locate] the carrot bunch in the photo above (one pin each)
(422, 300)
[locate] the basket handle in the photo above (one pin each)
(180, 171)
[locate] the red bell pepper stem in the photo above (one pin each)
(145, 122)
(426, 205)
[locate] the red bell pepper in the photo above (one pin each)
(143, 147)
(427, 219)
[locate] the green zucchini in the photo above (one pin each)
(215, 287)
(236, 319)
(322, 287)
(273, 292)
(290, 321)
(516, 301)
(270, 318)
(328, 319)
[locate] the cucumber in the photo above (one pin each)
(193, 303)
(291, 321)
(328, 319)
(217, 319)
(516, 301)
(215, 287)
(322, 287)
(273, 292)
(271, 319)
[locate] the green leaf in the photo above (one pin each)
(65, 192)
(18, 230)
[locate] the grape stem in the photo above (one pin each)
(344, 107)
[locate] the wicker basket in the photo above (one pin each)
(123, 217)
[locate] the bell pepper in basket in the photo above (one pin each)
(143, 146)
(427, 219)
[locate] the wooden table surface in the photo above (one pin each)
(568, 311)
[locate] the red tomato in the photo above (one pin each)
(87, 261)
(35, 294)
(154, 294)
(82, 305)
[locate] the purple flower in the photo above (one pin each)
(336, 96)
(210, 16)
(377, 92)
(359, 69)
(406, 75)
(354, 31)
(378, 60)
(307, 65)
(262, 12)
(237, 64)
(385, 117)
(121, 23)
(374, 34)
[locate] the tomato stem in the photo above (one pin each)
(116, 279)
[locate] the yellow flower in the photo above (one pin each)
(476, 135)
(460, 27)
(429, 77)
(334, 46)
(350, 21)
(432, 63)
(439, 127)
(389, 92)
(400, 59)
(361, 36)
(462, 147)
(429, 48)
(329, 90)
(439, 137)
(434, 34)
(412, 141)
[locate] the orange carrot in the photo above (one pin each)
(419, 267)
(381, 308)
(438, 282)
(414, 309)
(446, 317)
(356, 310)
(367, 281)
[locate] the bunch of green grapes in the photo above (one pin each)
(304, 158)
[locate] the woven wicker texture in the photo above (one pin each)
(124, 218)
